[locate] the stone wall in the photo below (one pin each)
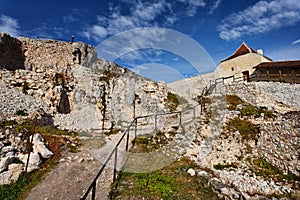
(76, 87)
(281, 97)
(11, 53)
(279, 138)
(279, 142)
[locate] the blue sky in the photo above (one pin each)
(217, 26)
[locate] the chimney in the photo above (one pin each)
(260, 51)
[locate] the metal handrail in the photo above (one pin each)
(92, 187)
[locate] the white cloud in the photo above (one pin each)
(192, 6)
(9, 25)
(214, 7)
(287, 53)
(296, 42)
(141, 14)
(262, 17)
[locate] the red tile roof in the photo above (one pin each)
(242, 50)
(277, 64)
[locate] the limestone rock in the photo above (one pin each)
(4, 162)
(34, 161)
(191, 172)
(42, 150)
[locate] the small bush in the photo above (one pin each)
(224, 166)
(256, 112)
(107, 75)
(246, 128)
(172, 101)
(233, 100)
(25, 87)
(22, 112)
(267, 170)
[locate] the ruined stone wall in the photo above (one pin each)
(76, 87)
(282, 97)
(279, 142)
(279, 138)
(11, 53)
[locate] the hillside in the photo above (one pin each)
(239, 141)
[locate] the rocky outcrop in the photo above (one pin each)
(79, 90)
(11, 53)
(13, 156)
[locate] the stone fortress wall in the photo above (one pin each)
(73, 85)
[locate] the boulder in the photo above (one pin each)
(34, 161)
(191, 172)
(13, 174)
(42, 150)
(4, 162)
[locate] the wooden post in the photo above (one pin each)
(115, 164)
(294, 76)
(280, 75)
(268, 75)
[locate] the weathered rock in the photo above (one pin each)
(13, 174)
(42, 150)
(34, 161)
(4, 162)
(191, 172)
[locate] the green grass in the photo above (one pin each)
(225, 166)
(19, 189)
(29, 125)
(256, 112)
(233, 100)
(246, 128)
(263, 168)
(25, 87)
(172, 101)
(143, 144)
(171, 182)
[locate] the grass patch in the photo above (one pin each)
(263, 168)
(143, 144)
(171, 182)
(256, 112)
(107, 75)
(19, 189)
(246, 128)
(225, 166)
(172, 101)
(112, 131)
(233, 100)
(25, 87)
(29, 125)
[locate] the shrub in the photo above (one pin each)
(22, 112)
(246, 128)
(25, 87)
(256, 112)
(233, 100)
(172, 101)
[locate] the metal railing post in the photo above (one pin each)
(135, 130)
(180, 118)
(127, 139)
(115, 164)
(94, 191)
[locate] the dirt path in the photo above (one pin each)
(72, 176)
